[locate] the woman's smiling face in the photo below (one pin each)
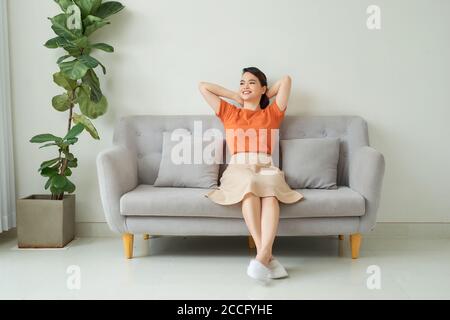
(250, 88)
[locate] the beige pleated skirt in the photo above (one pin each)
(250, 172)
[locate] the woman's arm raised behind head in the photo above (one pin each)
(212, 93)
(282, 90)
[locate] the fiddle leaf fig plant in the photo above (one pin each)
(80, 84)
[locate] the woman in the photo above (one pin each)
(251, 176)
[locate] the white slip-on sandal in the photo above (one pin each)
(277, 271)
(258, 271)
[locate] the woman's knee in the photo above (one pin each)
(250, 198)
(250, 195)
(272, 200)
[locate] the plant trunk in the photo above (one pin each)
(64, 162)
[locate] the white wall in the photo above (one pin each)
(397, 78)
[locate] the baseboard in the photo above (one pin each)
(382, 230)
(427, 230)
(10, 234)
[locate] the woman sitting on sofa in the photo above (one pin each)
(251, 176)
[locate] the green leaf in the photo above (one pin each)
(88, 6)
(89, 61)
(102, 46)
(64, 4)
(68, 172)
(59, 182)
(92, 81)
(75, 131)
(48, 163)
(49, 172)
(94, 26)
(47, 184)
(109, 8)
(72, 163)
(46, 137)
(52, 43)
(96, 5)
(61, 59)
(103, 67)
(61, 102)
(48, 145)
(90, 19)
(73, 51)
(74, 69)
(70, 47)
(79, 118)
(70, 156)
(88, 107)
(72, 141)
(60, 42)
(61, 80)
(69, 187)
(59, 27)
(82, 42)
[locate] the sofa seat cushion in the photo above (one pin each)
(148, 200)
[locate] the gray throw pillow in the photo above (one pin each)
(180, 168)
(310, 163)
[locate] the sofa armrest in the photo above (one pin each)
(366, 174)
(117, 174)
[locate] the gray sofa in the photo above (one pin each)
(132, 205)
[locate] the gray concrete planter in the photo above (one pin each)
(45, 223)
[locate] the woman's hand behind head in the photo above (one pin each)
(239, 99)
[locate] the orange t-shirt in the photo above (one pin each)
(250, 130)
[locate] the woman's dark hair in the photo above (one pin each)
(264, 102)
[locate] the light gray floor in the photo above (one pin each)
(215, 268)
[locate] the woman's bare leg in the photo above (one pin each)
(251, 209)
(270, 213)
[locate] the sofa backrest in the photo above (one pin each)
(143, 135)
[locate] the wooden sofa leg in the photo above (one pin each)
(127, 239)
(355, 243)
(251, 242)
(341, 237)
(146, 236)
